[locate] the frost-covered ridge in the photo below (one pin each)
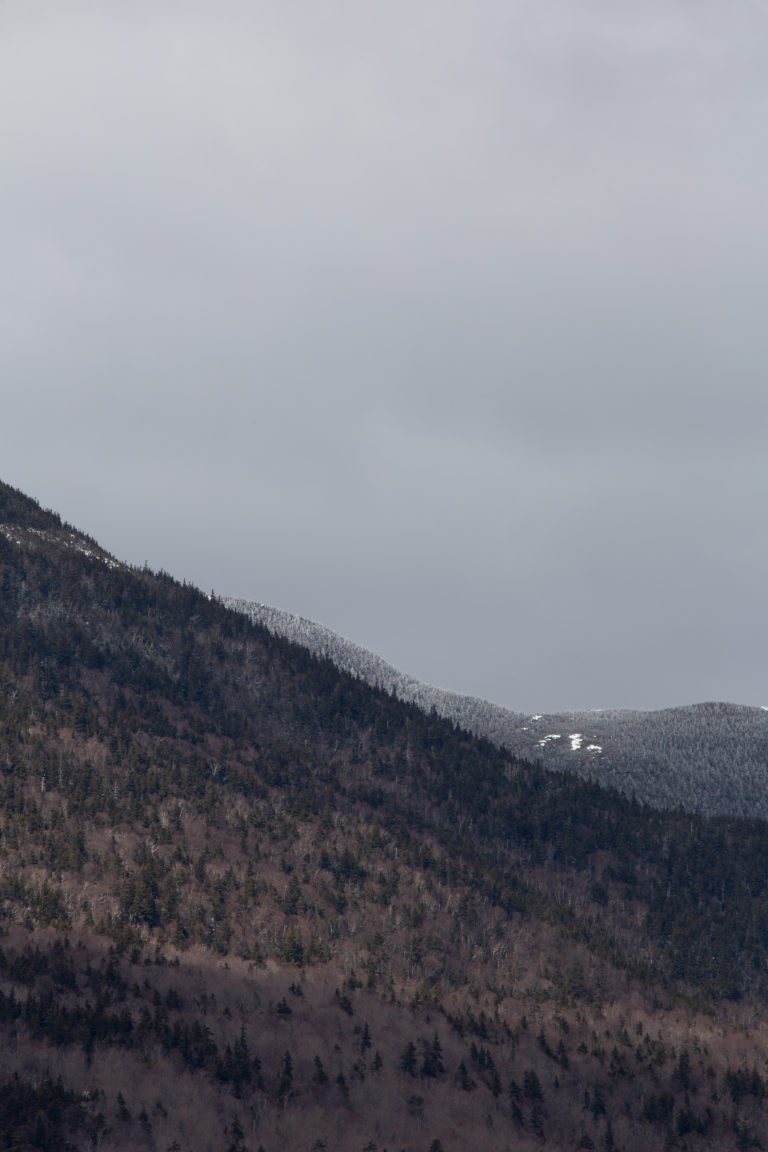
(24, 534)
(710, 758)
(478, 716)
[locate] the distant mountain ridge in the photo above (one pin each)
(710, 758)
(469, 712)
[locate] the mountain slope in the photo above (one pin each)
(248, 901)
(708, 758)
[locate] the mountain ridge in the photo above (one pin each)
(249, 903)
(710, 757)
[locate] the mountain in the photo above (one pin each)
(708, 758)
(247, 901)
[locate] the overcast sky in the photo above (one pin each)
(444, 324)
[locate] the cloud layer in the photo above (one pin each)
(443, 327)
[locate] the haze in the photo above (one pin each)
(443, 325)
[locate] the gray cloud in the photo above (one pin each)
(442, 327)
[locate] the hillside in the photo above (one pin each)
(708, 758)
(250, 902)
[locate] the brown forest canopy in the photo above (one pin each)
(248, 900)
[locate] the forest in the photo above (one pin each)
(249, 901)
